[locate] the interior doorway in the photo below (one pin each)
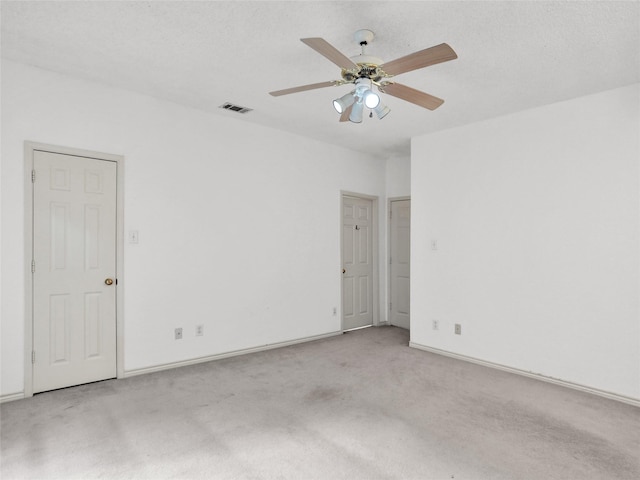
(399, 262)
(72, 325)
(359, 266)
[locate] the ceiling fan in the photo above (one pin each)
(365, 71)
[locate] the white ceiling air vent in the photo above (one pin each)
(235, 108)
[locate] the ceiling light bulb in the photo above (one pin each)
(381, 110)
(344, 102)
(356, 112)
(371, 100)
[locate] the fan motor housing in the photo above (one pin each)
(366, 70)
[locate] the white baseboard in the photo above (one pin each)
(576, 386)
(219, 356)
(10, 397)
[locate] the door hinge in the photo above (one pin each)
(33, 176)
(390, 213)
(33, 266)
(389, 306)
(33, 356)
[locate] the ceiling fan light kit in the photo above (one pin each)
(365, 71)
(344, 102)
(362, 95)
(381, 111)
(356, 112)
(371, 100)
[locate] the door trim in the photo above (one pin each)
(388, 259)
(29, 150)
(375, 260)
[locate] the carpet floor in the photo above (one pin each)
(357, 406)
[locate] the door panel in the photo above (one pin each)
(402, 298)
(364, 249)
(364, 295)
(74, 249)
(400, 252)
(59, 325)
(357, 257)
(348, 303)
(347, 249)
(93, 340)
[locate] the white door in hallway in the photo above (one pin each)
(400, 229)
(74, 267)
(357, 262)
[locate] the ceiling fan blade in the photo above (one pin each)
(345, 115)
(325, 48)
(423, 58)
(412, 95)
(302, 88)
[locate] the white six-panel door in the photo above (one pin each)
(74, 253)
(357, 258)
(400, 230)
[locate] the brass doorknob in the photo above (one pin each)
(109, 281)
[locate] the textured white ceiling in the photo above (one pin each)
(513, 55)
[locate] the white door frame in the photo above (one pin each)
(376, 276)
(29, 150)
(388, 260)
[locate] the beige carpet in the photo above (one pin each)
(357, 406)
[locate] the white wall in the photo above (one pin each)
(238, 224)
(398, 176)
(537, 218)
